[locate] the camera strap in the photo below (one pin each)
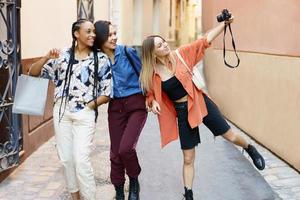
(233, 45)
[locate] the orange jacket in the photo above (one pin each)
(192, 54)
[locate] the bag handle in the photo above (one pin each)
(184, 63)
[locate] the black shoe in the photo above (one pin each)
(188, 194)
(134, 189)
(120, 192)
(257, 159)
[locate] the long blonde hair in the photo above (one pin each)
(149, 63)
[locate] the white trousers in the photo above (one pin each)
(74, 135)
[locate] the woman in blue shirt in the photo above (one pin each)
(126, 112)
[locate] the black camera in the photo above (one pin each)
(224, 16)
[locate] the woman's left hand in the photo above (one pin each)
(155, 107)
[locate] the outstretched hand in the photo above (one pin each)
(53, 54)
(213, 33)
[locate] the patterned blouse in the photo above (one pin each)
(82, 79)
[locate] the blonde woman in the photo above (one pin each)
(171, 94)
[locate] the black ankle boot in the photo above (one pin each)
(134, 189)
(257, 159)
(188, 194)
(120, 192)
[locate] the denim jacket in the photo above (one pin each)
(125, 79)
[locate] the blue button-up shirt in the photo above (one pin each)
(125, 79)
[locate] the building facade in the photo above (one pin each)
(46, 25)
(262, 95)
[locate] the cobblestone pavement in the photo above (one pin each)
(40, 176)
(283, 179)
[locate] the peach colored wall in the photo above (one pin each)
(125, 29)
(46, 25)
(102, 10)
(261, 96)
(269, 26)
(137, 19)
(164, 18)
(147, 18)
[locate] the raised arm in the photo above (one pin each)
(36, 68)
(212, 34)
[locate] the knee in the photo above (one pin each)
(189, 160)
(114, 158)
(82, 163)
(67, 161)
(230, 136)
(65, 157)
(125, 152)
(68, 165)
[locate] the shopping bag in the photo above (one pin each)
(31, 95)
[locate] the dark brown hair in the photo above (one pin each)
(102, 32)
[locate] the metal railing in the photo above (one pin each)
(10, 124)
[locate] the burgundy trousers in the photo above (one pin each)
(126, 119)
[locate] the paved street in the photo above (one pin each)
(222, 172)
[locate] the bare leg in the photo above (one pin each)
(235, 138)
(188, 167)
(75, 196)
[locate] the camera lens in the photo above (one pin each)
(220, 18)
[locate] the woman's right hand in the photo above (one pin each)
(52, 54)
(229, 21)
(35, 68)
(155, 107)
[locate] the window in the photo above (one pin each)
(85, 9)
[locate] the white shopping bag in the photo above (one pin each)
(30, 96)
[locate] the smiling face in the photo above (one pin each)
(161, 47)
(86, 34)
(111, 41)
